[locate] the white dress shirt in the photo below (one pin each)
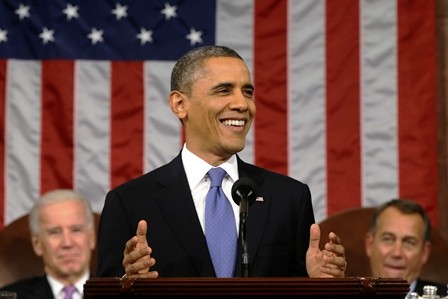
(58, 288)
(196, 170)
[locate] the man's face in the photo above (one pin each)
(65, 241)
(398, 249)
(220, 110)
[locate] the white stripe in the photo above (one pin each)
(379, 98)
(163, 131)
(234, 28)
(23, 133)
(306, 98)
(92, 129)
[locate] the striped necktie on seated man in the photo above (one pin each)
(69, 291)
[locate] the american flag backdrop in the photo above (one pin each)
(345, 93)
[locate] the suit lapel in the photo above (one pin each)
(257, 215)
(178, 208)
(44, 290)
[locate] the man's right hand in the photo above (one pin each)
(137, 260)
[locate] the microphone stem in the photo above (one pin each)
(245, 253)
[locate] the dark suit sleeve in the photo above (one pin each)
(304, 221)
(114, 231)
(31, 288)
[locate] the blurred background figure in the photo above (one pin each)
(398, 243)
(63, 235)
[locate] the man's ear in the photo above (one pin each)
(92, 236)
(426, 251)
(177, 102)
(368, 241)
(37, 246)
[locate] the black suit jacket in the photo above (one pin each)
(31, 288)
(441, 288)
(277, 227)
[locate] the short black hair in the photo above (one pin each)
(186, 68)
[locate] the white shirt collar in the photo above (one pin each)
(196, 168)
(57, 286)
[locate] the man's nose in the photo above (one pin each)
(67, 238)
(239, 102)
(397, 249)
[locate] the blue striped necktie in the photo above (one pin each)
(220, 227)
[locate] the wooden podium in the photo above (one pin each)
(349, 287)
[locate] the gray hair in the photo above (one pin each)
(407, 207)
(58, 195)
(186, 69)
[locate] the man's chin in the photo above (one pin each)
(69, 270)
(395, 273)
(235, 147)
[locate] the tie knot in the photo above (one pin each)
(69, 290)
(216, 175)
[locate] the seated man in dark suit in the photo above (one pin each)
(398, 243)
(63, 234)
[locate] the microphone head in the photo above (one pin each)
(244, 187)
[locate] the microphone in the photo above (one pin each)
(244, 193)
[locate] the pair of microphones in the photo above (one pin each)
(244, 193)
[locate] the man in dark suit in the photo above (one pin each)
(63, 234)
(160, 216)
(398, 243)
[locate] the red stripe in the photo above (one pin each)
(126, 121)
(57, 125)
(270, 74)
(343, 107)
(3, 65)
(417, 103)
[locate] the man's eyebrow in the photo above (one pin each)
(407, 237)
(222, 85)
(231, 85)
(248, 86)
